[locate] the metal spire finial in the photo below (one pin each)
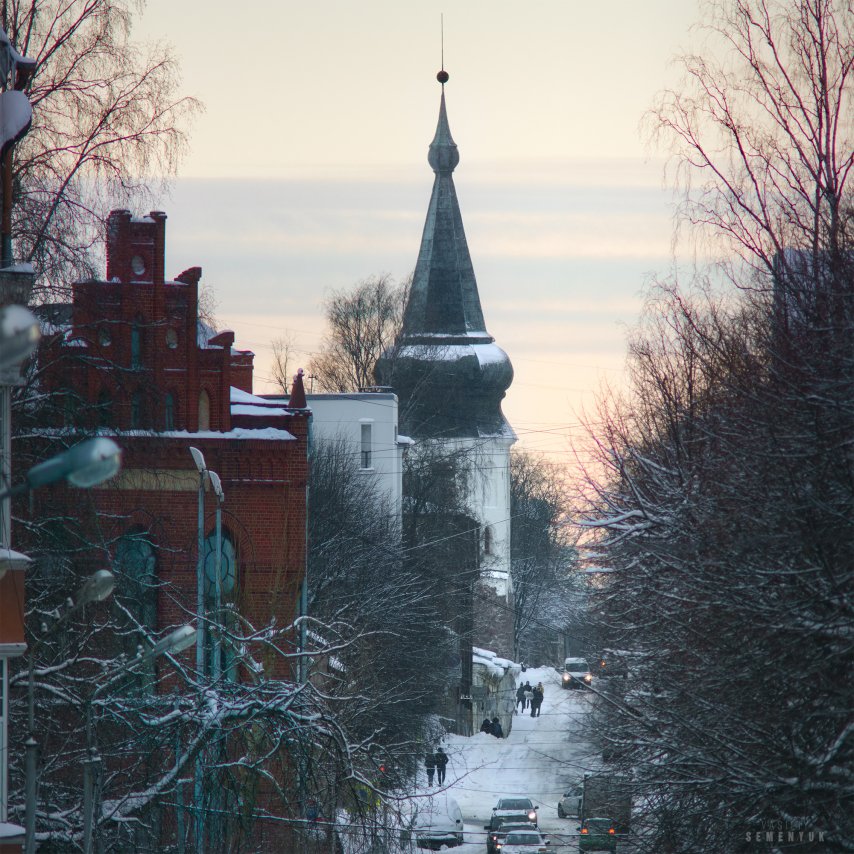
(442, 76)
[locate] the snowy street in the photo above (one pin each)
(539, 759)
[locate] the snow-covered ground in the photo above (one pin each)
(539, 759)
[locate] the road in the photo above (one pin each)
(539, 759)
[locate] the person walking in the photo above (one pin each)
(537, 700)
(486, 726)
(497, 729)
(430, 765)
(520, 697)
(441, 760)
(529, 694)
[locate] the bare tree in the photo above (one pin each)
(107, 122)
(283, 353)
(725, 540)
(362, 325)
(542, 555)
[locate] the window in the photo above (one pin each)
(105, 409)
(136, 346)
(136, 566)
(168, 411)
(204, 411)
(366, 446)
(136, 411)
(171, 338)
(487, 540)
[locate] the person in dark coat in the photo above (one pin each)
(529, 692)
(441, 759)
(497, 730)
(520, 697)
(430, 765)
(537, 700)
(486, 726)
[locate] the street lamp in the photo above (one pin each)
(85, 464)
(205, 474)
(19, 335)
(177, 641)
(96, 588)
(216, 483)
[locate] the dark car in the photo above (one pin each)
(495, 837)
(597, 834)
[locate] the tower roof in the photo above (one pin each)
(444, 304)
(449, 374)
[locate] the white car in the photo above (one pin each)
(576, 673)
(508, 808)
(524, 842)
(570, 803)
(438, 822)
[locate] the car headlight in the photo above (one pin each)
(588, 677)
(566, 677)
(532, 815)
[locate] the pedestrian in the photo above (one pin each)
(486, 726)
(497, 731)
(529, 694)
(441, 763)
(537, 700)
(520, 697)
(430, 765)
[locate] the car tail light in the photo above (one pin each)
(611, 830)
(584, 830)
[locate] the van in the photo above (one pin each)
(576, 673)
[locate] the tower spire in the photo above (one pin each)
(448, 368)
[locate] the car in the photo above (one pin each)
(515, 806)
(597, 834)
(570, 803)
(438, 821)
(524, 842)
(495, 837)
(576, 673)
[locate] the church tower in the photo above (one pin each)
(450, 377)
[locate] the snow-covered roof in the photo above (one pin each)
(496, 665)
(250, 409)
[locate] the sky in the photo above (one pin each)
(307, 171)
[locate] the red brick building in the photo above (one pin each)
(131, 359)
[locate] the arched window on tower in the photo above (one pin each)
(220, 650)
(169, 411)
(204, 411)
(136, 344)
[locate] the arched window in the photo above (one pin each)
(136, 410)
(204, 411)
(169, 411)
(105, 409)
(135, 566)
(225, 617)
(487, 540)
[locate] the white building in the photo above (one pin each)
(367, 423)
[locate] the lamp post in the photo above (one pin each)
(216, 483)
(205, 474)
(177, 641)
(96, 588)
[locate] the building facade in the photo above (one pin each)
(130, 358)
